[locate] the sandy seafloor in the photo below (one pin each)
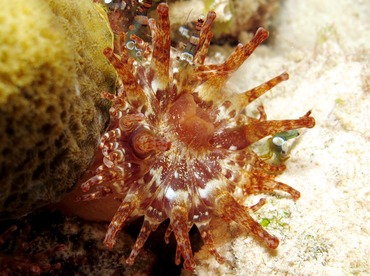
(325, 47)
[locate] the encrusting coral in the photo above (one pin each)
(179, 140)
(52, 72)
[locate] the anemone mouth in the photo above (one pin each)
(178, 144)
(190, 124)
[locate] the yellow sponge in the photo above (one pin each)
(52, 72)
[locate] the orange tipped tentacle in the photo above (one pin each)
(101, 192)
(214, 77)
(240, 101)
(167, 234)
(160, 62)
(241, 137)
(257, 206)
(261, 184)
(263, 115)
(205, 38)
(202, 53)
(230, 209)
(102, 176)
(134, 93)
(123, 213)
(206, 235)
(242, 52)
(256, 131)
(180, 226)
(145, 231)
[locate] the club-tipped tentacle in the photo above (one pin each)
(257, 183)
(241, 100)
(145, 231)
(243, 136)
(206, 235)
(160, 62)
(180, 226)
(230, 209)
(135, 95)
(204, 39)
(124, 211)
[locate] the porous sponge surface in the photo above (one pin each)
(52, 72)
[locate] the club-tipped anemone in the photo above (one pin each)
(178, 144)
